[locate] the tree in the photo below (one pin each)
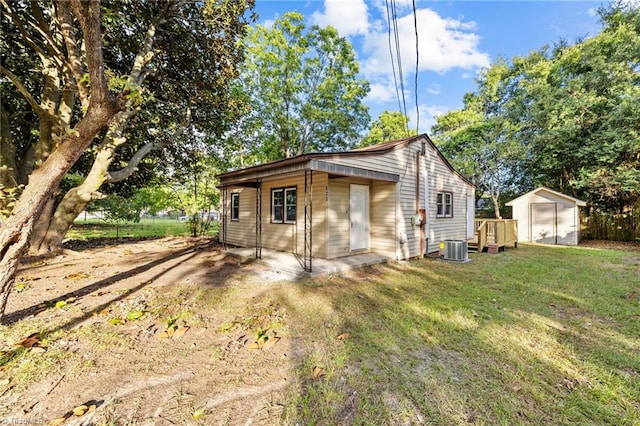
(177, 91)
(389, 126)
(479, 139)
(171, 61)
(578, 104)
(303, 91)
(72, 138)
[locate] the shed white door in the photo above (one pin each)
(471, 216)
(543, 223)
(359, 216)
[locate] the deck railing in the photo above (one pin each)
(499, 232)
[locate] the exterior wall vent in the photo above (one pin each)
(455, 250)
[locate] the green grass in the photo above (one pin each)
(536, 335)
(146, 228)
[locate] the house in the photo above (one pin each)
(547, 216)
(397, 199)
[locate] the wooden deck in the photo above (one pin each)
(493, 234)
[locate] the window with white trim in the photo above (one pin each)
(235, 206)
(283, 205)
(444, 204)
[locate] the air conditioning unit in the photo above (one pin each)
(455, 250)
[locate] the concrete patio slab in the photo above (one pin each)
(292, 265)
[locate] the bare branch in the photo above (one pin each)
(41, 112)
(132, 165)
(15, 19)
(88, 14)
(75, 64)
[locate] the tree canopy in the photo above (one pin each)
(140, 75)
(303, 91)
(566, 117)
(390, 125)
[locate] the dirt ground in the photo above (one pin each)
(169, 331)
(150, 332)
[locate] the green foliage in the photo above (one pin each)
(303, 90)
(480, 142)
(390, 125)
(567, 118)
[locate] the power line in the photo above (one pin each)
(415, 27)
(393, 65)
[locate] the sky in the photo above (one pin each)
(456, 39)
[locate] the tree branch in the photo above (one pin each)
(132, 165)
(15, 20)
(41, 112)
(88, 14)
(75, 63)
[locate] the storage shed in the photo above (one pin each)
(398, 199)
(547, 216)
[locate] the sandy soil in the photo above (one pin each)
(134, 370)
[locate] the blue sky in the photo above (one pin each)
(455, 38)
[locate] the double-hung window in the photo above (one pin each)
(235, 206)
(283, 205)
(444, 204)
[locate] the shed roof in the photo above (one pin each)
(308, 161)
(579, 203)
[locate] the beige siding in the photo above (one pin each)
(338, 218)
(280, 236)
(439, 178)
(383, 218)
(243, 231)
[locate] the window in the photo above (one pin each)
(444, 204)
(283, 205)
(235, 206)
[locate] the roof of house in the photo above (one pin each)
(369, 150)
(544, 188)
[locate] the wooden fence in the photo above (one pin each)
(615, 227)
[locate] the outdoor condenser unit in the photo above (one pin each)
(455, 250)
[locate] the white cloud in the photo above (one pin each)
(433, 89)
(428, 114)
(349, 17)
(444, 44)
(382, 91)
(592, 11)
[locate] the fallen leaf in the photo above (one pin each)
(258, 344)
(343, 336)
(61, 303)
(80, 410)
(271, 341)
(59, 421)
(199, 413)
(135, 315)
(38, 349)
(5, 382)
(181, 330)
(318, 372)
(517, 387)
(115, 321)
(29, 341)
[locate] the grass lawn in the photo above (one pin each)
(535, 335)
(146, 228)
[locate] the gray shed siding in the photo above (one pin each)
(565, 230)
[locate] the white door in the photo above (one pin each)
(542, 223)
(471, 216)
(359, 217)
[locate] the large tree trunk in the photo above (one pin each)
(16, 230)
